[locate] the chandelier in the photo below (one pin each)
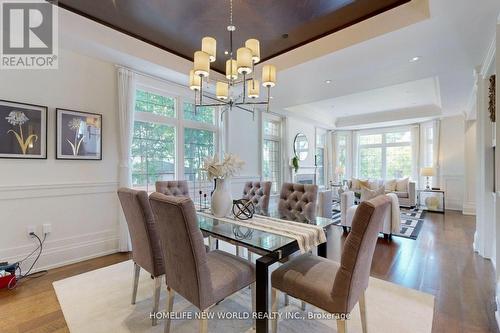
(239, 72)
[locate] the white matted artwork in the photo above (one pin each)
(78, 135)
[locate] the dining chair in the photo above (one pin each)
(204, 279)
(146, 250)
(176, 188)
(298, 201)
(259, 194)
(331, 286)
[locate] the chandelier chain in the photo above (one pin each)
(230, 12)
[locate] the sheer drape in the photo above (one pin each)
(126, 105)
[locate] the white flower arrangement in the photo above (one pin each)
(227, 168)
(18, 118)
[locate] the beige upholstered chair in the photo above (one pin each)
(298, 201)
(201, 278)
(176, 188)
(331, 286)
(259, 193)
(146, 250)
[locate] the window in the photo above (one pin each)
(320, 157)
(385, 155)
(198, 144)
(341, 156)
(428, 147)
(271, 152)
(159, 127)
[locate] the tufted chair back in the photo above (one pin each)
(175, 188)
(298, 201)
(259, 193)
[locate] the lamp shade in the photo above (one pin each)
(253, 88)
(269, 76)
(254, 46)
(201, 63)
(231, 69)
(427, 172)
(222, 90)
(244, 60)
(194, 81)
(209, 46)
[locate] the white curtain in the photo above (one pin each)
(126, 105)
(330, 158)
(436, 126)
(415, 153)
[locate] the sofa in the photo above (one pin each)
(405, 189)
(391, 221)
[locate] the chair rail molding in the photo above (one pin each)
(26, 191)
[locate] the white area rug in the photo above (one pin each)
(99, 301)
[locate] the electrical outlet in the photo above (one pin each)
(30, 229)
(47, 228)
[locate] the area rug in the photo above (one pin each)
(411, 222)
(99, 301)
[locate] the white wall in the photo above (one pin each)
(294, 127)
(243, 138)
(77, 197)
(469, 206)
(452, 160)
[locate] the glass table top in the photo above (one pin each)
(255, 238)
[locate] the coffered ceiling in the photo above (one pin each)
(178, 25)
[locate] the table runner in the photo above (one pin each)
(307, 236)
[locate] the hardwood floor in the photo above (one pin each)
(440, 262)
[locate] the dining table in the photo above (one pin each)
(270, 247)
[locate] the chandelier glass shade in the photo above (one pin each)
(240, 72)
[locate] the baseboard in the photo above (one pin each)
(63, 252)
(469, 208)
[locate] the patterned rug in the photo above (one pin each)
(411, 222)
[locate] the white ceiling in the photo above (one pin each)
(374, 76)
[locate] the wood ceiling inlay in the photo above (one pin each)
(178, 25)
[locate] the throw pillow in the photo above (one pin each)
(390, 185)
(373, 184)
(402, 184)
(367, 194)
(363, 183)
(355, 184)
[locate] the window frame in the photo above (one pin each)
(180, 94)
(276, 138)
(383, 145)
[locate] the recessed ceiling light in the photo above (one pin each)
(328, 81)
(415, 59)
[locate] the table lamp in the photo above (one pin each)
(427, 172)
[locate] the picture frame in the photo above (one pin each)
(23, 130)
(78, 135)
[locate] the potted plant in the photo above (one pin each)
(295, 163)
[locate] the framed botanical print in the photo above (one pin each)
(23, 130)
(78, 135)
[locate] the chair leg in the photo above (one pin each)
(170, 308)
(237, 251)
(303, 305)
(135, 283)
(362, 310)
(249, 256)
(156, 298)
(287, 300)
(341, 326)
(204, 322)
(252, 287)
(274, 310)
